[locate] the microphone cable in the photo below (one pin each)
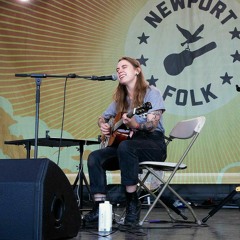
(63, 117)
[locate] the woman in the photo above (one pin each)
(144, 143)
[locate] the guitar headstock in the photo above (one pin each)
(143, 109)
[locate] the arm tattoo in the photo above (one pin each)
(147, 126)
(157, 112)
(152, 121)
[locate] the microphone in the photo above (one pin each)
(103, 78)
(33, 75)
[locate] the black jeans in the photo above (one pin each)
(143, 146)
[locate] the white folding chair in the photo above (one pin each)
(186, 129)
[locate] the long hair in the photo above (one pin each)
(120, 94)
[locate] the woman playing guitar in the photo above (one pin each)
(137, 110)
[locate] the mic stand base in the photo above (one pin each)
(219, 206)
(81, 178)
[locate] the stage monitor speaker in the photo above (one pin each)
(37, 201)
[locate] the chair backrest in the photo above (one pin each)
(187, 128)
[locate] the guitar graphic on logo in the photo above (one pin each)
(118, 134)
(175, 63)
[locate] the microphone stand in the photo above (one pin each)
(221, 204)
(38, 80)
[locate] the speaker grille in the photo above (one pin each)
(36, 201)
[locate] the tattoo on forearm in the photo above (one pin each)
(151, 123)
(148, 126)
(157, 113)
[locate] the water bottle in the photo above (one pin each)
(105, 217)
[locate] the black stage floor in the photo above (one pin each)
(224, 224)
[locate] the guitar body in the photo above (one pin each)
(118, 131)
(117, 135)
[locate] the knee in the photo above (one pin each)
(91, 160)
(125, 150)
(123, 147)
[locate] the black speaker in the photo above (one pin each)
(36, 201)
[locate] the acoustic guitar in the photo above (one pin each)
(118, 131)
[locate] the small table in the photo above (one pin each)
(52, 142)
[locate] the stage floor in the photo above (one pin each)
(224, 224)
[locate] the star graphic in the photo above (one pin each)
(143, 38)
(226, 78)
(235, 33)
(142, 60)
(152, 81)
(236, 56)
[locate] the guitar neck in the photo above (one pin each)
(119, 123)
(130, 114)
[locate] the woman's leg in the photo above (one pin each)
(98, 162)
(130, 153)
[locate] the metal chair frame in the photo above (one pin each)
(185, 129)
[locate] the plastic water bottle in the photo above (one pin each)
(105, 217)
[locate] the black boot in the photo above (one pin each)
(92, 216)
(133, 209)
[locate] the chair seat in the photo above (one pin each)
(162, 166)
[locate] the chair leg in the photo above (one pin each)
(164, 202)
(159, 200)
(199, 222)
(149, 210)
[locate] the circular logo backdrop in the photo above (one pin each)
(190, 51)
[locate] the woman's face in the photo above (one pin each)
(126, 72)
